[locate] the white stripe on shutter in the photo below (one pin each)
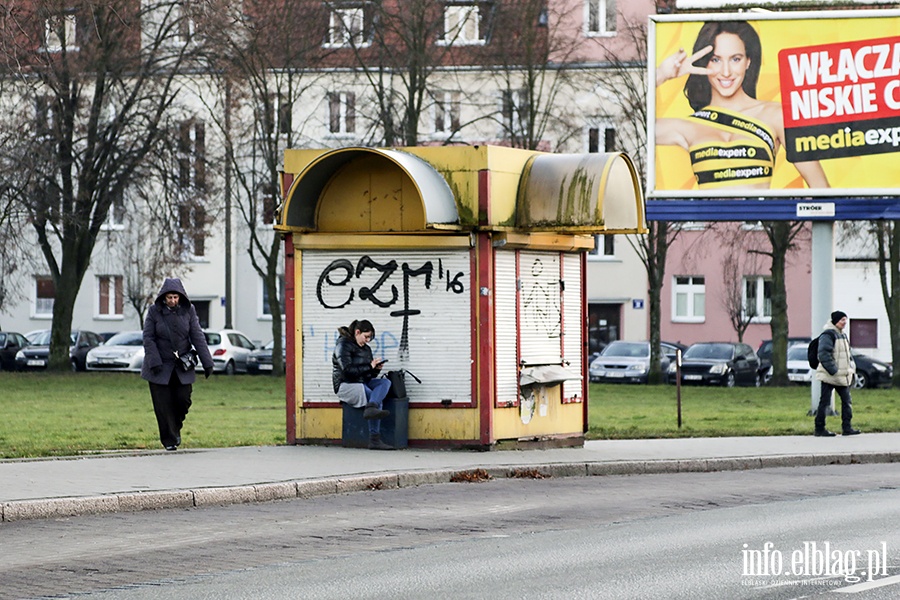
(419, 302)
(505, 328)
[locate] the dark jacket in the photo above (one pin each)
(160, 345)
(351, 363)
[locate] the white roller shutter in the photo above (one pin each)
(419, 302)
(572, 324)
(505, 328)
(539, 308)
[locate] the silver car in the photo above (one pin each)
(122, 352)
(626, 362)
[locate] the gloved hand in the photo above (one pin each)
(207, 371)
(156, 370)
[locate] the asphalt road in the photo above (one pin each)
(688, 535)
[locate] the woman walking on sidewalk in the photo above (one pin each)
(172, 330)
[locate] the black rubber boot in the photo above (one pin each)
(373, 412)
(375, 443)
(850, 431)
(823, 433)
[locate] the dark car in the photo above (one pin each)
(718, 363)
(36, 355)
(260, 361)
(871, 372)
(629, 362)
(764, 352)
(10, 344)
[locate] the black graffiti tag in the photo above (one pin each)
(341, 272)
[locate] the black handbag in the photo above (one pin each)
(186, 361)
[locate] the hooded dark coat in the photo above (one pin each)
(160, 346)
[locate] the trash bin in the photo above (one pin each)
(394, 427)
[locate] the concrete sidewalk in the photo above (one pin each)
(50, 488)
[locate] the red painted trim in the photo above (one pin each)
(290, 385)
(584, 343)
(483, 260)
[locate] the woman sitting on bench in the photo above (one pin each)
(355, 377)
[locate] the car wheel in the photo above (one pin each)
(74, 366)
(229, 368)
(758, 381)
(729, 379)
(862, 380)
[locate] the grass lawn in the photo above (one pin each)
(619, 411)
(72, 413)
(65, 414)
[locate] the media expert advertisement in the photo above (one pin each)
(823, 120)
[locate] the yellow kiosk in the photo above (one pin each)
(470, 263)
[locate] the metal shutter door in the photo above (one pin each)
(419, 302)
(539, 308)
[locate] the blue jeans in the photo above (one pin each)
(376, 391)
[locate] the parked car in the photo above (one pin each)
(764, 352)
(261, 360)
(871, 372)
(36, 355)
(628, 361)
(718, 363)
(230, 351)
(798, 370)
(123, 351)
(10, 344)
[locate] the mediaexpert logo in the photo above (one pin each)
(769, 565)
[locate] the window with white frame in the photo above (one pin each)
(689, 299)
(61, 31)
(341, 112)
(601, 139)
(115, 218)
(446, 112)
(604, 247)
(601, 17)
(46, 117)
(192, 154)
(347, 27)
(264, 310)
(280, 121)
(757, 300)
(186, 25)
(192, 228)
(515, 110)
(44, 294)
(462, 24)
(110, 295)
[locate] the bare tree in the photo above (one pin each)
(781, 236)
(888, 237)
(532, 52)
(624, 81)
(262, 67)
(98, 79)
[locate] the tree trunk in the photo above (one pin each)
(780, 239)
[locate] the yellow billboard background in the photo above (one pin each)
(673, 166)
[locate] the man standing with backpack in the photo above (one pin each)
(836, 371)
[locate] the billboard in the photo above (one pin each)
(791, 105)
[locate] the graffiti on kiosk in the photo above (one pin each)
(342, 275)
(540, 300)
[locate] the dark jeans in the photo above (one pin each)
(171, 403)
(376, 392)
(825, 401)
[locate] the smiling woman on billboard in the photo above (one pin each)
(732, 138)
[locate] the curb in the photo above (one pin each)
(54, 508)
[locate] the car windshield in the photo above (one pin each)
(43, 338)
(213, 339)
(797, 353)
(713, 351)
(627, 349)
(126, 338)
